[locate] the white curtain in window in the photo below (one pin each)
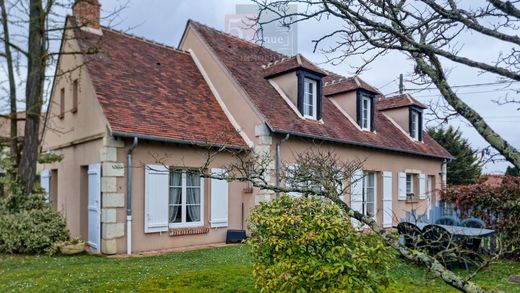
(175, 197)
(193, 197)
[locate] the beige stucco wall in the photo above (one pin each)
(347, 102)
(88, 121)
(177, 156)
(241, 109)
(400, 116)
(72, 196)
(377, 161)
(288, 83)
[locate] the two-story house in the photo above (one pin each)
(134, 118)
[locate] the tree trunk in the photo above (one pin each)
(12, 86)
(33, 94)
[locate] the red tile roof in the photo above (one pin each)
(288, 64)
(398, 101)
(236, 54)
(154, 91)
(335, 85)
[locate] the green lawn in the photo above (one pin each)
(226, 269)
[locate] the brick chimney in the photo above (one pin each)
(87, 12)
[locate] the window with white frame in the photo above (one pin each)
(409, 184)
(414, 125)
(429, 186)
(366, 112)
(369, 194)
(309, 98)
(185, 198)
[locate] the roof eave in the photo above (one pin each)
(179, 141)
(324, 138)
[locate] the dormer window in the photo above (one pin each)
(366, 106)
(300, 83)
(309, 98)
(309, 94)
(365, 110)
(416, 123)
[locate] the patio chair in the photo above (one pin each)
(472, 244)
(447, 220)
(473, 223)
(448, 249)
(411, 233)
(439, 242)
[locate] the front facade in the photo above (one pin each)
(135, 119)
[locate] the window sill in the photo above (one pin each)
(188, 231)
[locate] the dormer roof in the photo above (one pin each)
(335, 85)
(283, 65)
(398, 101)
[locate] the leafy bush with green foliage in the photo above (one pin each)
(497, 206)
(28, 224)
(308, 245)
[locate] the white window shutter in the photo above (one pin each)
(156, 184)
(422, 186)
(219, 200)
(45, 183)
(387, 199)
(356, 194)
(402, 186)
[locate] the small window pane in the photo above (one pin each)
(409, 183)
(370, 209)
(193, 214)
(193, 179)
(369, 193)
(309, 110)
(176, 178)
(193, 197)
(309, 98)
(75, 90)
(365, 112)
(175, 206)
(414, 131)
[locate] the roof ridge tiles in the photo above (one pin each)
(235, 37)
(143, 39)
(276, 62)
(335, 81)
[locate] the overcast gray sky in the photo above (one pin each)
(164, 21)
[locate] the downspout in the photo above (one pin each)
(444, 175)
(279, 163)
(129, 198)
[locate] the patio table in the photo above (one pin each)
(462, 231)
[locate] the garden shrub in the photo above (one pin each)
(308, 245)
(28, 224)
(497, 206)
